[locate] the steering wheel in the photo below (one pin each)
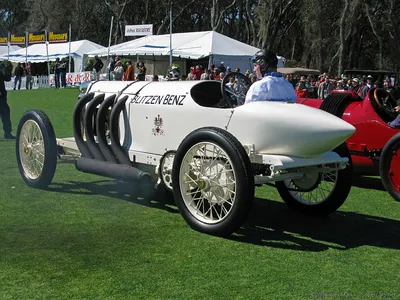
(386, 102)
(234, 94)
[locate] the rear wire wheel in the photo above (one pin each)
(318, 194)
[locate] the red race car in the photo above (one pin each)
(375, 146)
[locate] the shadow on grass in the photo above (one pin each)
(373, 183)
(272, 224)
(115, 189)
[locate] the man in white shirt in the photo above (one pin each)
(271, 85)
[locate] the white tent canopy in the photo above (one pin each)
(4, 49)
(37, 52)
(191, 45)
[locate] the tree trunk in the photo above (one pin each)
(341, 37)
(377, 35)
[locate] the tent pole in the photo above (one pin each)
(47, 54)
(170, 36)
(26, 47)
(109, 45)
(69, 51)
(8, 46)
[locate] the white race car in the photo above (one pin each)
(194, 139)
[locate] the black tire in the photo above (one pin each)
(243, 180)
(333, 201)
(388, 176)
(44, 178)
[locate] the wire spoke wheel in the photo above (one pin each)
(36, 149)
(213, 181)
(208, 182)
(319, 192)
(31, 149)
(314, 189)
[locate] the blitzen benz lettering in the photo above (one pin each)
(159, 99)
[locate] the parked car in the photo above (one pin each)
(375, 145)
(192, 139)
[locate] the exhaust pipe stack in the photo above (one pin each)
(99, 157)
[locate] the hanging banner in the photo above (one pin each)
(57, 37)
(36, 38)
(17, 39)
(135, 30)
(4, 40)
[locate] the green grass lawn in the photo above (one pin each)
(87, 237)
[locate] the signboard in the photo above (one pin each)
(36, 38)
(17, 39)
(57, 37)
(138, 30)
(3, 40)
(73, 78)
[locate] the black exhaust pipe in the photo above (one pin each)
(101, 129)
(83, 148)
(116, 171)
(119, 152)
(88, 125)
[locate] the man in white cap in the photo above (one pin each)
(370, 81)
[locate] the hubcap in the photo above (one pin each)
(208, 182)
(31, 149)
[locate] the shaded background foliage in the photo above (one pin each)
(327, 35)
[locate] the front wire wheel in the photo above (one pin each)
(36, 149)
(318, 193)
(208, 179)
(212, 181)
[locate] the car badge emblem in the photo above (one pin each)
(158, 123)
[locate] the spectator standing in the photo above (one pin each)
(97, 66)
(29, 79)
(63, 73)
(5, 75)
(18, 72)
(141, 71)
(111, 66)
(222, 67)
(129, 75)
(57, 73)
(118, 71)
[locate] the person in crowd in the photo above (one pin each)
(57, 73)
(129, 74)
(205, 75)
(63, 73)
(301, 89)
(370, 81)
(18, 72)
(196, 72)
(325, 87)
(155, 77)
(97, 67)
(29, 79)
(363, 90)
(111, 66)
(141, 71)
(118, 72)
(271, 85)
(222, 67)
(387, 85)
(5, 75)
